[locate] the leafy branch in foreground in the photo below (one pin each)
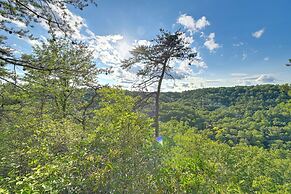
(19, 17)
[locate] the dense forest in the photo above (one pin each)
(254, 115)
(61, 131)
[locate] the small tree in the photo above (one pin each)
(156, 59)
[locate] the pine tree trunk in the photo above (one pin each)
(157, 112)
(157, 103)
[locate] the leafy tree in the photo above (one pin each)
(18, 18)
(62, 88)
(123, 139)
(156, 59)
(57, 155)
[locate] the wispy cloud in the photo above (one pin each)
(246, 79)
(238, 44)
(266, 59)
(238, 74)
(266, 79)
(259, 33)
(244, 56)
(18, 23)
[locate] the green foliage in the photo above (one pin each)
(124, 140)
(43, 154)
(70, 69)
(35, 154)
(257, 115)
(195, 164)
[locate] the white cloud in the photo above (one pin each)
(181, 69)
(123, 48)
(75, 22)
(238, 74)
(32, 42)
(202, 23)
(238, 44)
(192, 25)
(187, 83)
(215, 81)
(194, 82)
(266, 59)
(110, 50)
(259, 33)
(266, 79)
(199, 62)
(142, 42)
(210, 43)
(244, 56)
(187, 21)
(188, 39)
(246, 79)
(19, 24)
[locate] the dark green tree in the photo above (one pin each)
(156, 59)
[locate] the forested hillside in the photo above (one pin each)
(101, 144)
(250, 115)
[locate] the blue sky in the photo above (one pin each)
(241, 42)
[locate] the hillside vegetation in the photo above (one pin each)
(249, 115)
(205, 149)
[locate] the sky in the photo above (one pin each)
(239, 42)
